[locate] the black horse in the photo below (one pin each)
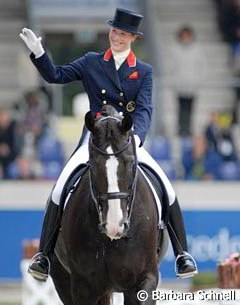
(109, 239)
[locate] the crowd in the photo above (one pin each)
(229, 25)
(211, 155)
(29, 147)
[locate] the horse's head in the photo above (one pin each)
(112, 158)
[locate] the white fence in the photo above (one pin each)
(35, 292)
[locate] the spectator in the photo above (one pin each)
(212, 131)
(225, 141)
(196, 162)
(186, 60)
(230, 21)
(236, 71)
(22, 169)
(10, 141)
(32, 113)
(33, 117)
(35, 114)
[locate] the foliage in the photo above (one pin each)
(205, 279)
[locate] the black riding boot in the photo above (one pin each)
(185, 265)
(39, 267)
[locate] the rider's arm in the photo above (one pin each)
(143, 112)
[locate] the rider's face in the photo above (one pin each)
(120, 40)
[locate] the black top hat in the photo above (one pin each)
(127, 21)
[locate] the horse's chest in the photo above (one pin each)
(113, 260)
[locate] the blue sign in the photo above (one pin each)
(15, 226)
(212, 236)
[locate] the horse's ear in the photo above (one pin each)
(127, 123)
(89, 121)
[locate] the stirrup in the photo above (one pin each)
(42, 277)
(188, 274)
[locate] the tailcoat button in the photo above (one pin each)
(131, 106)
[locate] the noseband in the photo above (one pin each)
(130, 195)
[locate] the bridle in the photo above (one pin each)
(130, 194)
(103, 152)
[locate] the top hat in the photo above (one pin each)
(127, 21)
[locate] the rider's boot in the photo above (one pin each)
(185, 265)
(39, 266)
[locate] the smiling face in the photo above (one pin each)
(120, 40)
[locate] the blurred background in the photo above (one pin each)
(194, 47)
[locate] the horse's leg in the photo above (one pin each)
(105, 299)
(130, 298)
(61, 279)
(83, 293)
(148, 284)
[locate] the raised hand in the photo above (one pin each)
(32, 42)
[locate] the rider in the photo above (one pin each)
(118, 78)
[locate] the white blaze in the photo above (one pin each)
(114, 215)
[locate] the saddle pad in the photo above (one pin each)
(159, 191)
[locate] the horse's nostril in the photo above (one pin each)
(126, 225)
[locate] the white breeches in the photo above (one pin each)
(81, 156)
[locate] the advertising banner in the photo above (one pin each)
(212, 236)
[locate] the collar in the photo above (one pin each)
(122, 55)
(131, 58)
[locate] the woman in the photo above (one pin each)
(115, 77)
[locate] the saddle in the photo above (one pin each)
(82, 169)
(72, 183)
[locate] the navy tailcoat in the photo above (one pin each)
(128, 89)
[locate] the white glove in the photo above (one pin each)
(33, 42)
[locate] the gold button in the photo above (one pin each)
(120, 104)
(131, 106)
(103, 91)
(104, 102)
(121, 93)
